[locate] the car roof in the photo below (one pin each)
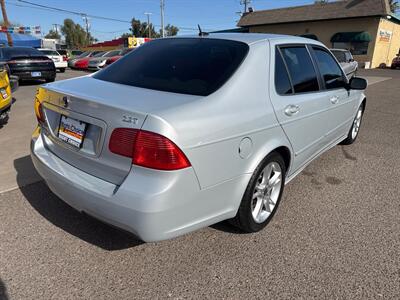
(251, 38)
(47, 49)
(342, 50)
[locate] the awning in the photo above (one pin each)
(21, 40)
(345, 37)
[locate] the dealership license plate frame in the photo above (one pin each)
(72, 131)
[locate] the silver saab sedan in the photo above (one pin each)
(186, 132)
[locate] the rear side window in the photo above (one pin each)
(49, 52)
(301, 69)
(329, 69)
(195, 66)
(282, 81)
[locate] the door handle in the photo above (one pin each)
(335, 100)
(291, 110)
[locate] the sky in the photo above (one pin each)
(186, 14)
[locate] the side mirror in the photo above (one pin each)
(357, 83)
(351, 60)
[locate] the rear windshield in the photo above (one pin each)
(49, 52)
(76, 52)
(192, 66)
(340, 55)
(98, 54)
(112, 53)
(8, 53)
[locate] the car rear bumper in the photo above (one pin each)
(94, 68)
(61, 64)
(27, 75)
(153, 205)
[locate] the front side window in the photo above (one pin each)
(329, 69)
(301, 69)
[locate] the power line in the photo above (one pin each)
(84, 15)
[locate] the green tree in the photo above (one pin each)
(141, 29)
(171, 30)
(394, 5)
(75, 35)
(53, 35)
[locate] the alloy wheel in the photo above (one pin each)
(266, 192)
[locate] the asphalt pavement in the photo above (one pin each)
(336, 234)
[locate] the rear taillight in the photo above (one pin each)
(39, 111)
(65, 58)
(148, 149)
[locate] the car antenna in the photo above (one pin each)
(202, 33)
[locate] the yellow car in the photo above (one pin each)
(7, 87)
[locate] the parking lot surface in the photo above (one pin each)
(336, 234)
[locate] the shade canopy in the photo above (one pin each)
(21, 40)
(346, 37)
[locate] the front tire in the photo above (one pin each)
(355, 127)
(263, 194)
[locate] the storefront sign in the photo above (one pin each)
(385, 35)
(21, 29)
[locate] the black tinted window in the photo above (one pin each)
(180, 65)
(330, 70)
(20, 51)
(340, 55)
(301, 69)
(282, 82)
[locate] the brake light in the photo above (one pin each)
(148, 149)
(39, 111)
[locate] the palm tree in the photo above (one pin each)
(394, 5)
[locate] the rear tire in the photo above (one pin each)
(263, 194)
(62, 70)
(52, 79)
(355, 127)
(4, 117)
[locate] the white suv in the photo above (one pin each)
(59, 61)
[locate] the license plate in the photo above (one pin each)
(72, 131)
(36, 74)
(4, 93)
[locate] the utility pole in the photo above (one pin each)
(148, 22)
(85, 18)
(6, 22)
(245, 3)
(56, 28)
(162, 5)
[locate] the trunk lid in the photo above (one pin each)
(102, 106)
